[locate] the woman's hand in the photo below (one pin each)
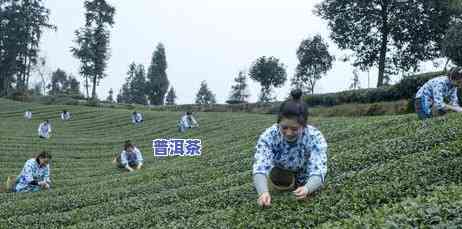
(457, 109)
(44, 184)
(264, 200)
(300, 193)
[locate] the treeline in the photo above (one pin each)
(393, 36)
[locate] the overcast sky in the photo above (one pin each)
(209, 40)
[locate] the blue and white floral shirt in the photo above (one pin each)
(306, 157)
(436, 90)
(127, 158)
(32, 171)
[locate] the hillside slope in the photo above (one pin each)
(383, 171)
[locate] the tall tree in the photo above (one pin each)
(393, 35)
(171, 97)
(239, 91)
(269, 72)
(138, 86)
(204, 95)
(21, 27)
(314, 61)
(133, 90)
(92, 42)
(157, 76)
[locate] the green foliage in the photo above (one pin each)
(205, 96)
(157, 77)
(405, 89)
(452, 46)
(239, 91)
(22, 25)
(92, 42)
(393, 35)
(269, 72)
(134, 89)
(63, 84)
(314, 61)
(171, 97)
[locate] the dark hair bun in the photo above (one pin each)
(296, 94)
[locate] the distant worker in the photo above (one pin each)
(28, 115)
(65, 115)
(187, 121)
(44, 129)
(137, 117)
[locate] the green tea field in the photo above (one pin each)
(383, 172)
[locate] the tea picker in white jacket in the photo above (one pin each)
(137, 118)
(187, 121)
(28, 115)
(44, 129)
(65, 115)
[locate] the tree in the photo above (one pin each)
(452, 45)
(355, 84)
(269, 72)
(239, 91)
(157, 76)
(92, 42)
(110, 97)
(64, 84)
(21, 27)
(389, 34)
(73, 88)
(138, 85)
(124, 94)
(314, 61)
(58, 82)
(204, 95)
(171, 97)
(133, 90)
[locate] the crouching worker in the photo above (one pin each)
(187, 121)
(35, 175)
(137, 118)
(44, 129)
(429, 100)
(130, 158)
(290, 155)
(65, 115)
(28, 115)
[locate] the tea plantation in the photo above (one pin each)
(384, 172)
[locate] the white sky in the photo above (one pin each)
(204, 40)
